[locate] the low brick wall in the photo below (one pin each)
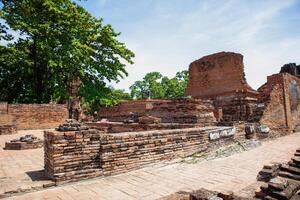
(127, 151)
(186, 111)
(23, 145)
(75, 155)
(72, 155)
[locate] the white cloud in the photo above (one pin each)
(168, 40)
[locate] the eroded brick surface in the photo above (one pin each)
(217, 75)
(33, 116)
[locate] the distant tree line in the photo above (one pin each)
(156, 86)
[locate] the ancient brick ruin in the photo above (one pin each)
(219, 109)
(292, 69)
(72, 155)
(30, 116)
(217, 85)
(184, 111)
(221, 78)
(25, 142)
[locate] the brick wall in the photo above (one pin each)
(127, 151)
(34, 116)
(71, 156)
(170, 111)
(281, 99)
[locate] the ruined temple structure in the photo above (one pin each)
(219, 109)
(218, 93)
(220, 77)
(182, 111)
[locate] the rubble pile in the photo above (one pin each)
(25, 142)
(286, 185)
(71, 125)
(268, 172)
(203, 194)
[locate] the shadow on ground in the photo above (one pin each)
(38, 175)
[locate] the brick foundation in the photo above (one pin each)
(169, 111)
(76, 155)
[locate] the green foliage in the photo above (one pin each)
(58, 40)
(101, 96)
(160, 87)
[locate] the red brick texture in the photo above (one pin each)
(75, 155)
(170, 111)
(281, 98)
(33, 116)
(220, 74)
(220, 77)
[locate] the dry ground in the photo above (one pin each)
(22, 169)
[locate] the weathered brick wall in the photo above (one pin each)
(73, 155)
(127, 151)
(170, 111)
(122, 111)
(118, 127)
(5, 117)
(8, 129)
(184, 111)
(70, 156)
(274, 112)
(217, 75)
(281, 99)
(37, 116)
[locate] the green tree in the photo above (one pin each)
(58, 41)
(95, 99)
(149, 86)
(160, 87)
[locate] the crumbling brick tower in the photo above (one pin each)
(221, 78)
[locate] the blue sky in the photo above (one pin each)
(167, 35)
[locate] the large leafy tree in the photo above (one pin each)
(58, 40)
(94, 99)
(157, 86)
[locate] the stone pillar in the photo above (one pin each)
(75, 111)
